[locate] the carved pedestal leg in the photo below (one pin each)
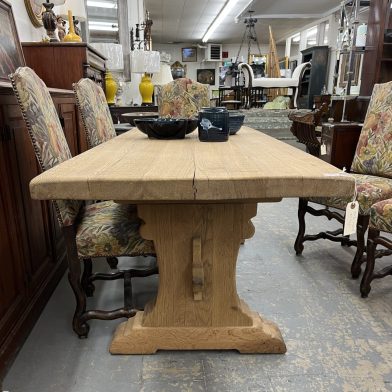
(197, 306)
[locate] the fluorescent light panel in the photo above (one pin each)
(219, 19)
(101, 4)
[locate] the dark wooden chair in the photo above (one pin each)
(372, 170)
(304, 125)
(104, 229)
(380, 221)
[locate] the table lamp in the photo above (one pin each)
(114, 63)
(75, 12)
(49, 18)
(146, 63)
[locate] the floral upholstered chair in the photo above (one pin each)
(94, 110)
(380, 220)
(183, 98)
(104, 229)
(372, 170)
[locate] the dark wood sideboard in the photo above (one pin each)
(32, 253)
(340, 140)
(61, 64)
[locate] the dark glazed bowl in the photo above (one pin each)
(236, 120)
(162, 128)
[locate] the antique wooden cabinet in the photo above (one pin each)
(61, 64)
(32, 254)
(314, 78)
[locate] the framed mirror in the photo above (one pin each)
(35, 12)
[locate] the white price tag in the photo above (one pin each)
(350, 221)
(323, 149)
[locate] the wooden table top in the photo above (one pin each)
(250, 166)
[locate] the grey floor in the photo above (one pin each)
(336, 341)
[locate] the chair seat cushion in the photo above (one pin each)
(370, 190)
(110, 229)
(381, 215)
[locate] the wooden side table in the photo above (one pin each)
(341, 141)
(118, 111)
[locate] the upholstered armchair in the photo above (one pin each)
(380, 221)
(372, 170)
(182, 97)
(293, 82)
(104, 229)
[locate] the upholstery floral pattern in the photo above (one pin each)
(182, 97)
(381, 216)
(370, 190)
(45, 130)
(107, 229)
(374, 153)
(92, 105)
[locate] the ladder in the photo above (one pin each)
(273, 68)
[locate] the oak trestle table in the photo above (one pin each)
(196, 201)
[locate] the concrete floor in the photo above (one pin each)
(336, 341)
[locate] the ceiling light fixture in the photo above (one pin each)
(101, 4)
(218, 20)
(102, 26)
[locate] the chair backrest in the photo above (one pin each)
(45, 131)
(182, 97)
(248, 73)
(373, 153)
(94, 110)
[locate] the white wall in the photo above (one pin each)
(175, 51)
(26, 30)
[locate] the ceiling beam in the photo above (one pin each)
(288, 16)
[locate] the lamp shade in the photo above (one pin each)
(163, 76)
(145, 61)
(76, 6)
(113, 53)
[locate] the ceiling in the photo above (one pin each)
(186, 21)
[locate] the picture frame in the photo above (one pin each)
(189, 54)
(206, 76)
(344, 68)
(11, 54)
(35, 12)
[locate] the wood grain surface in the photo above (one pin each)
(250, 166)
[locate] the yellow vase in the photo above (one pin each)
(71, 36)
(111, 88)
(146, 89)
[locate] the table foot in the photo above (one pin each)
(262, 337)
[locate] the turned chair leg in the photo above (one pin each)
(87, 285)
(370, 261)
(362, 226)
(298, 245)
(112, 261)
(74, 276)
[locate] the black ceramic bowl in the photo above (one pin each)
(162, 128)
(236, 119)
